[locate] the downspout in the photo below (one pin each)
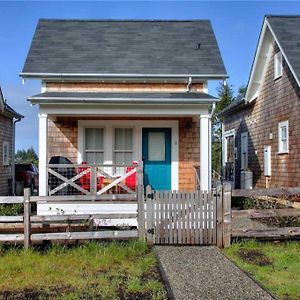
(189, 84)
(13, 155)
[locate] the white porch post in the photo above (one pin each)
(43, 154)
(205, 153)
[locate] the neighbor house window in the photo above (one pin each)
(123, 147)
(277, 65)
(5, 153)
(283, 137)
(244, 150)
(94, 148)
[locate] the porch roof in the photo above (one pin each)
(123, 98)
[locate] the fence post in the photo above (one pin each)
(219, 225)
(93, 183)
(150, 214)
(141, 211)
(27, 213)
(140, 173)
(226, 214)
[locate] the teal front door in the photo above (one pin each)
(157, 157)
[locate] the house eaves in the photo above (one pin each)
(122, 98)
(262, 56)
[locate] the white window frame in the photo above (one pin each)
(227, 134)
(244, 164)
(94, 150)
(5, 154)
(280, 141)
(114, 151)
(277, 65)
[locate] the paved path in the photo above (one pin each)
(204, 273)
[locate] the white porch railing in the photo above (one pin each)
(85, 179)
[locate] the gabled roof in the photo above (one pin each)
(285, 31)
(5, 108)
(123, 98)
(132, 48)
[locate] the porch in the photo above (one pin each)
(105, 155)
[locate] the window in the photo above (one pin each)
(94, 149)
(123, 147)
(277, 65)
(244, 150)
(283, 137)
(156, 146)
(5, 153)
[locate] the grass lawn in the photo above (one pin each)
(275, 265)
(92, 271)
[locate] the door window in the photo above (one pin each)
(156, 146)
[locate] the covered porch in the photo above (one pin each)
(113, 145)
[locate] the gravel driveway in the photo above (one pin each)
(205, 273)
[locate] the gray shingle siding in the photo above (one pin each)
(124, 47)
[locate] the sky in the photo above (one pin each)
(236, 25)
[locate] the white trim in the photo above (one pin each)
(267, 160)
(254, 87)
(280, 125)
(277, 60)
(226, 134)
(205, 161)
(137, 126)
(125, 110)
(43, 154)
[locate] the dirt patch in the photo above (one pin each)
(254, 257)
(151, 274)
(35, 294)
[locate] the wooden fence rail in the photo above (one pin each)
(259, 214)
(29, 223)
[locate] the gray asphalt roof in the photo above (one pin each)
(6, 108)
(287, 32)
(143, 98)
(124, 47)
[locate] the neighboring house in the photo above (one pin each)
(8, 119)
(114, 92)
(261, 132)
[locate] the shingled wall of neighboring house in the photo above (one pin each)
(63, 132)
(6, 134)
(279, 100)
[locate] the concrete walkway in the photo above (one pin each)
(204, 273)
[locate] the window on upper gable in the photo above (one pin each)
(277, 65)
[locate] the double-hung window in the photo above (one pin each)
(277, 65)
(94, 146)
(6, 153)
(123, 147)
(283, 137)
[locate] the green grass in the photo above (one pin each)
(92, 271)
(281, 276)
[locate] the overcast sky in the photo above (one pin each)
(236, 25)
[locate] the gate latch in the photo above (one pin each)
(150, 196)
(151, 231)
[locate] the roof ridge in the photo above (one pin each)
(123, 20)
(282, 16)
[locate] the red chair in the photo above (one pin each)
(85, 180)
(130, 181)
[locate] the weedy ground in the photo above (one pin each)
(275, 265)
(126, 270)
